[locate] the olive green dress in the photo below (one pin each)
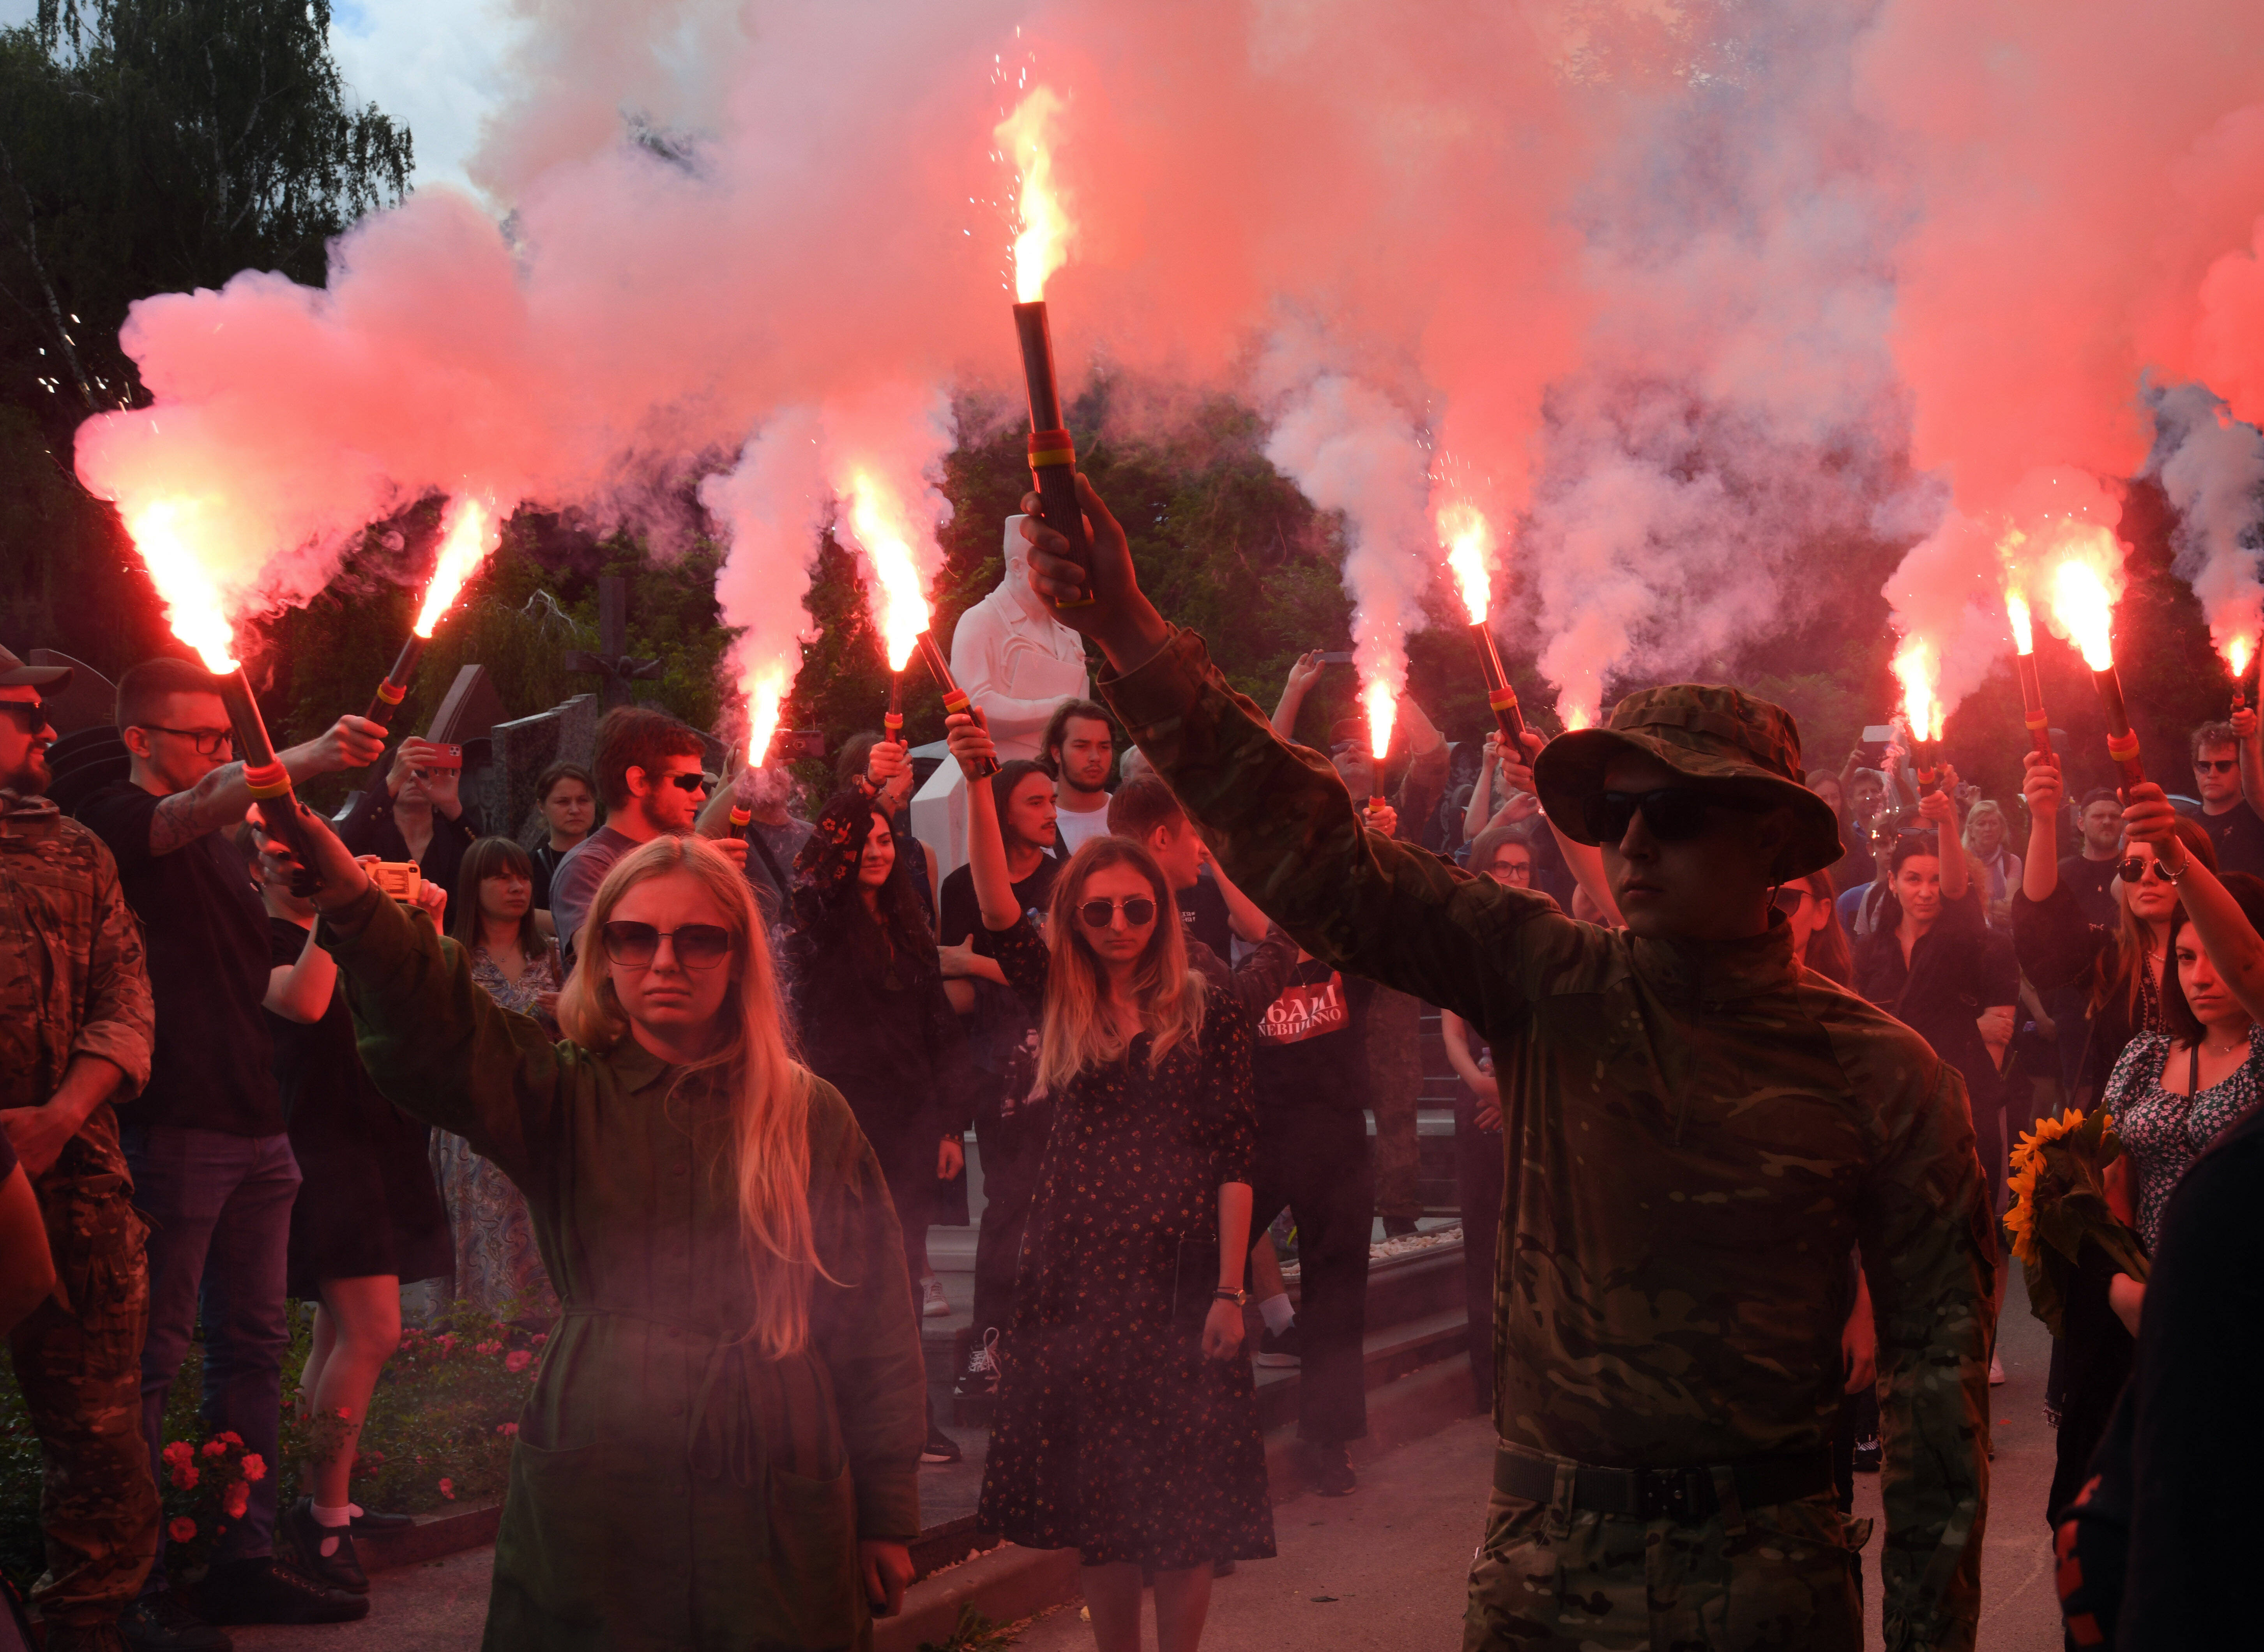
(669, 1487)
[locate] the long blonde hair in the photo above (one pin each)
(770, 1109)
(1072, 1035)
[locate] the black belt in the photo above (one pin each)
(1686, 1495)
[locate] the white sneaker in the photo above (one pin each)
(932, 1305)
(1996, 1371)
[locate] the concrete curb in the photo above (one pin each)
(429, 1539)
(1009, 1582)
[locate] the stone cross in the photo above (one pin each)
(614, 669)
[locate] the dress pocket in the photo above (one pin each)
(813, 1541)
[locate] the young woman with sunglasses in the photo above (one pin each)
(1126, 1422)
(2122, 971)
(721, 1443)
(874, 1020)
(1818, 939)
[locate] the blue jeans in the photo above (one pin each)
(219, 1213)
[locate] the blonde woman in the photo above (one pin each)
(1988, 846)
(1127, 1424)
(721, 1445)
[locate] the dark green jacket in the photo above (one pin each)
(1700, 1134)
(668, 1488)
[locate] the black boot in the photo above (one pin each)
(271, 1591)
(341, 1567)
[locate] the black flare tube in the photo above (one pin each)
(1053, 455)
(2121, 743)
(2244, 686)
(2032, 704)
(1926, 766)
(1499, 694)
(391, 691)
(894, 722)
(269, 781)
(955, 697)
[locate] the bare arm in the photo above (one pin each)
(2251, 748)
(1241, 914)
(2231, 941)
(301, 992)
(1474, 818)
(39, 1134)
(1303, 673)
(1940, 807)
(1585, 861)
(986, 850)
(27, 1271)
(2043, 790)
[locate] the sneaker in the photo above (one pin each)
(941, 1448)
(932, 1303)
(341, 1567)
(162, 1622)
(370, 1523)
(982, 1374)
(1329, 1467)
(1996, 1371)
(1277, 1353)
(271, 1591)
(1868, 1453)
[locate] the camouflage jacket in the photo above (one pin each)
(71, 978)
(1698, 1135)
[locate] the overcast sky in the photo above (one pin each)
(432, 63)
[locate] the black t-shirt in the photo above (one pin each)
(961, 912)
(1202, 915)
(311, 1057)
(2238, 835)
(1311, 1052)
(2092, 883)
(205, 932)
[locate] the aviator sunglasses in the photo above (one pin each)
(1674, 814)
(2137, 869)
(1139, 911)
(698, 945)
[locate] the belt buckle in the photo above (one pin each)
(1667, 1494)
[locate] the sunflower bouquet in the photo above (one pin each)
(2059, 1199)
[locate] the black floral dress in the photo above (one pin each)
(1113, 1435)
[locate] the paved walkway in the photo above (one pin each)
(1384, 1569)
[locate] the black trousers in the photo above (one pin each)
(1010, 1149)
(1479, 1173)
(1318, 1166)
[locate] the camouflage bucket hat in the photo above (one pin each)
(1709, 733)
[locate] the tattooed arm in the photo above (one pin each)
(221, 798)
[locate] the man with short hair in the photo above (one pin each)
(1023, 794)
(1211, 909)
(213, 1167)
(2229, 777)
(76, 1036)
(2089, 874)
(648, 772)
(775, 834)
(1703, 1131)
(1079, 748)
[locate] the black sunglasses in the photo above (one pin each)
(2137, 868)
(210, 742)
(687, 782)
(33, 711)
(1139, 911)
(698, 945)
(2215, 766)
(1789, 897)
(1674, 814)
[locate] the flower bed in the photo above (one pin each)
(438, 1433)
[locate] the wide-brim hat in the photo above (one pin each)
(1711, 735)
(15, 674)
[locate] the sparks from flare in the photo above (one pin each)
(2024, 630)
(165, 532)
(765, 696)
(1382, 711)
(879, 521)
(471, 533)
(2082, 608)
(1470, 550)
(1914, 668)
(1042, 242)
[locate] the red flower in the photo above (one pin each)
(179, 1451)
(215, 1448)
(487, 1348)
(255, 1467)
(447, 1487)
(181, 1528)
(232, 1504)
(540, 1338)
(518, 1359)
(231, 1436)
(184, 1476)
(508, 1430)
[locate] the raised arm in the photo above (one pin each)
(1939, 806)
(2250, 751)
(2043, 790)
(1584, 861)
(221, 798)
(1304, 671)
(1241, 914)
(1479, 815)
(2226, 934)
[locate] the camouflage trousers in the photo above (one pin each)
(1778, 1577)
(1395, 1072)
(78, 1361)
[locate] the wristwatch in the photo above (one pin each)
(1238, 1297)
(2184, 865)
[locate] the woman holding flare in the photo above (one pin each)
(721, 1445)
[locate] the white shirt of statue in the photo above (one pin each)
(1014, 659)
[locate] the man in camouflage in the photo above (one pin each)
(1699, 1134)
(75, 1037)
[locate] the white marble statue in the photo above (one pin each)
(1014, 659)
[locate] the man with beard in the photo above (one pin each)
(1702, 1133)
(75, 1035)
(1078, 749)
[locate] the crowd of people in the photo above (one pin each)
(1743, 1051)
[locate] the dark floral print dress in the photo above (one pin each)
(1113, 1435)
(2166, 1132)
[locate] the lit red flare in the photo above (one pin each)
(2032, 692)
(883, 529)
(1382, 702)
(2084, 609)
(955, 697)
(1916, 668)
(165, 534)
(1469, 542)
(469, 535)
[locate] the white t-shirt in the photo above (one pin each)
(1076, 829)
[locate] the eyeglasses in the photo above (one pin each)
(2215, 766)
(687, 782)
(698, 945)
(1789, 898)
(1139, 912)
(1674, 814)
(210, 742)
(33, 711)
(2136, 868)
